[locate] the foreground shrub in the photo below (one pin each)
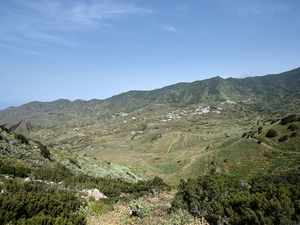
(219, 199)
(22, 204)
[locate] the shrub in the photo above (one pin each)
(270, 200)
(44, 150)
(4, 129)
(22, 138)
(294, 134)
(100, 208)
(273, 121)
(283, 138)
(289, 119)
(30, 207)
(271, 133)
(293, 127)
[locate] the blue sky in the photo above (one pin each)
(85, 49)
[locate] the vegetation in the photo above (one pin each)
(283, 138)
(293, 127)
(33, 203)
(221, 199)
(271, 133)
(289, 119)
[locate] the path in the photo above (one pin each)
(278, 150)
(173, 143)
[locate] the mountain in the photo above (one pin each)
(267, 89)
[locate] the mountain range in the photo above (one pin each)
(264, 89)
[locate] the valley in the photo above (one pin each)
(168, 132)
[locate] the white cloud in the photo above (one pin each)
(170, 28)
(49, 20)
(254, 8)
(90, 14)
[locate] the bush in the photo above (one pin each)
(16, 171)
(44, 150)
(293, 127)
(26, 203)
(289, 119)
(22, 138)
(273, 121)
(271, 133)
(4, 129)
(283, 138)
(294, 134)
(270, 200)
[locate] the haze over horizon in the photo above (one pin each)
(87, 49)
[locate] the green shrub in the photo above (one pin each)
(100, 208)
(293, 127)
(270, 200)
(16, 171)
(294, 134)
(289, 119)
(4, 129)
(271, 133)
(283, 138)
(21, 138)
(44, 150)
(33, 203)
(273, 121)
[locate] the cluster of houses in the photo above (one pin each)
(229, 102)
(198, 111)
(178, 115)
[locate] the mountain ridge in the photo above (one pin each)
(177, 95)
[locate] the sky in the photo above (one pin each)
(86, 49)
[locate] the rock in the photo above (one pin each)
(96, 194)
(27, 179)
